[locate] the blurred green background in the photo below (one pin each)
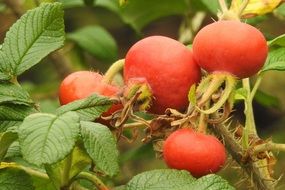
(100, 32)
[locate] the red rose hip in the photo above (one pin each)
(169, 68)
(198, 153)
(230, 46)
(81, 84)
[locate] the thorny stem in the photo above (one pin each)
(94, 179)
(257, 170)
(269, 146)
(28, 170)
(113, 70)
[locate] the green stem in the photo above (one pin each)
(113, 70)
(94, 179)
(28, 170)
(270, 146)
(250, 127)
(256, 85)
(216, 82)
(15, 80)
(230, 82)
(202, 127)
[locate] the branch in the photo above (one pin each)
(28, 170)
(257, 169)
(270, 146)
(94, 179)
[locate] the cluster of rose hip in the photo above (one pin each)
(227, 48)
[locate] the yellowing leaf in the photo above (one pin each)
(255, 7)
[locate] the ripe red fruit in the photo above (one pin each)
(168, 67)
(198, 153)
(231, 46)
(81, 84)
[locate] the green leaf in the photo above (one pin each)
(89, 2)
(6, 139)
(280, 11)
(11, 93)
(97, 41)
(101, 146)
(169, 179)
(240, 94)
(212, 182)
(71, 3)
(47, 138)
(280, 41)
(139, 13)
(43, 184)
(36, 34)
(12, 115)
(89, 108)
(77, 161)
(192, 95)
(112, 5)
(4, 76)
(212, 5)
(266, 99)
(166, 179)
(275, 60)
(13, 179)
(13, 150)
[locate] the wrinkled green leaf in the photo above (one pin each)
(275, 60)
(36, 34)
(11, 93)
(4, 76)
(89, 108)
(13, 150)
(12, 115)
(97, 41)
(6, 139)
(47, 138)
(211, 182)
(166, 179)
(101, 147)
(77, 161)
(169, 179)
(13, 179)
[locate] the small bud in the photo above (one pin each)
(141, 86)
